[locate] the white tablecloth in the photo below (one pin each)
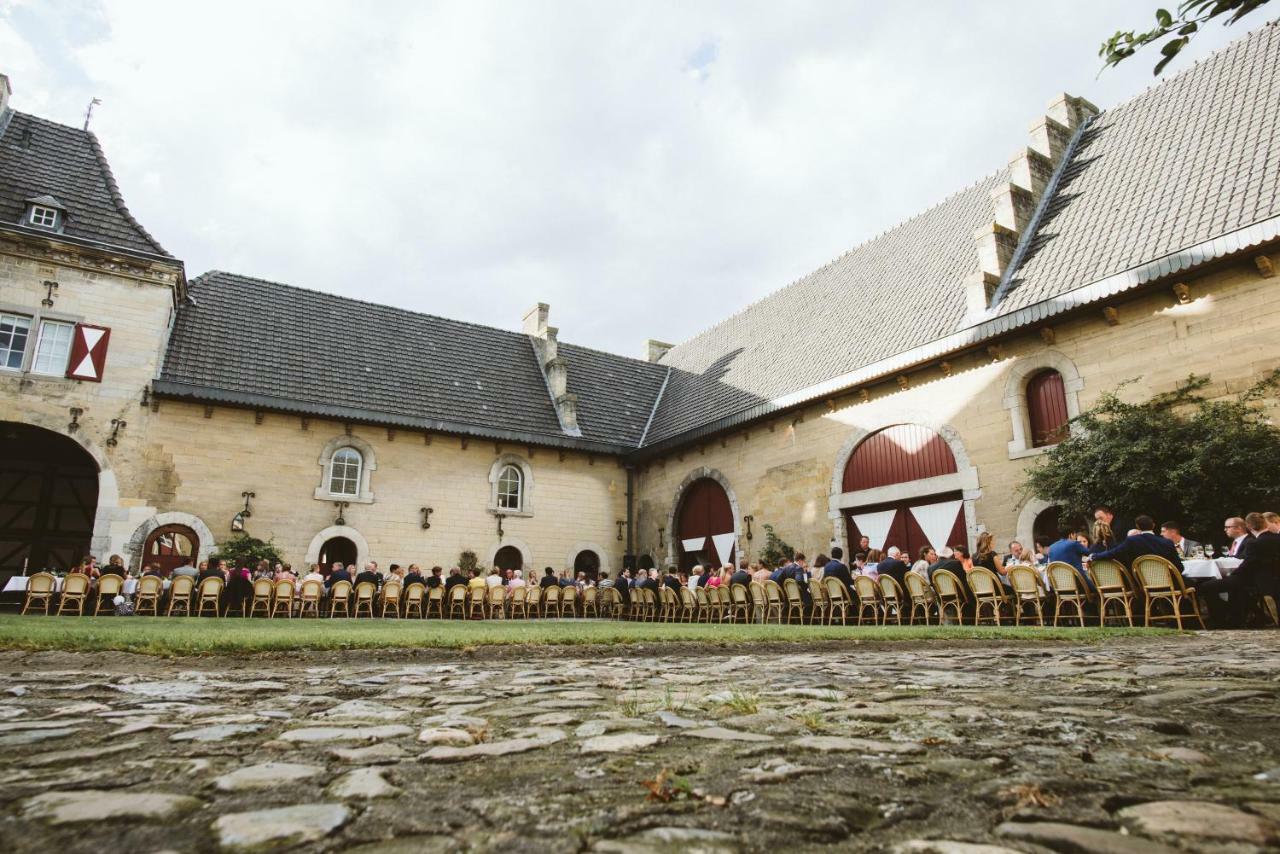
(18, 584)
(1219, 568)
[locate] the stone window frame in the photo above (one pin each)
(526, 493)
(1015, 397)
(368, 465)
(37, 316)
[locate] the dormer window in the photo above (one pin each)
(45, 212)
(43, 217)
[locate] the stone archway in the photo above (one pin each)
(318, 541)
(965, 480)
(586, 546)
(693, 477)
(48, 499)
(1027, 514)
(516, 543)
(133, 549)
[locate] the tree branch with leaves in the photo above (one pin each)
(1175, 30)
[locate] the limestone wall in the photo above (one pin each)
(785, 472)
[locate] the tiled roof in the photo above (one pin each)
(246, 340)
(1186, 162)
(39, 157)
(1191, 159)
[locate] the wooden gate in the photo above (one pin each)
(48, 499)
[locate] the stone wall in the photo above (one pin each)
(786, 472)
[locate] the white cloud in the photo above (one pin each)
(646, 168)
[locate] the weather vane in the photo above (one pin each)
(88, 114)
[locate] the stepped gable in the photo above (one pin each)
(253, 342)
(1189, 160)
(39, 157)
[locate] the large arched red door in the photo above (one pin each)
(704, 526)
(905, 454)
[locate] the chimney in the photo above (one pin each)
(5, 91)
(1014, 202)
(554, 368)
(654, 349)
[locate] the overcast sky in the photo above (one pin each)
(646, 168)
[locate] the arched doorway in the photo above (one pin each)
(48, 499)
(337, 550)
(909, 476)
(647, 562)
(508, 557)
(587, 562)
(704, 525)
(171, 546)
(1045, 527)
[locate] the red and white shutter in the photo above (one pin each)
(88, 352)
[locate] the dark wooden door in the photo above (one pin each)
(508, 557)
(48, 499)
(705, 512)
(587, 562)
(337, 550)
(171, 546)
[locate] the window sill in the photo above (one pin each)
(1025, 453)
(519, 514)
(321, 494)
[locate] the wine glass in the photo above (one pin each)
(1208, 549)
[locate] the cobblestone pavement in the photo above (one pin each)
(1149, 744)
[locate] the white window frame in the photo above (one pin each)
(506, 500)
(26, 341)
(368, 465)
(40, 213)
(347, 479)
(526, 485)
(45, 326)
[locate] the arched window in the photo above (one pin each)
(1047, 408)
(510, 488)
(344, 472)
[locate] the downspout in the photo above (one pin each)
(629, 559)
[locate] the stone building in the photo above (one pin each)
(899, 392)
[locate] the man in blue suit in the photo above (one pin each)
(1145, 542)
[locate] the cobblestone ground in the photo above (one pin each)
(1151, 744)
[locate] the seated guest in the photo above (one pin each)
(927, 557)
(370, 574)
(239, 589)
(1144, 542)
(581, 581)
(475, 582)
(761, 574)
(1103, 537)
(985, 554)
(605, 581)
(1017, 555)
(1042, 553)
(1239, 534)
(216, 571)
(115, 566)
(336, 574)
(494, 578)
(798, 570)
(566, 578)
(672, 580)
(314, 575)
(190, 571)
(455, 578)
(695, 577)
(1068, 549)
(1273, 522)
(414, 576)
(1107, 515)
(152, 569)
(1257, 575)
(517, 579)
(549, 578)
(263, 570)
(893, 566)
(434, 579)
(742, 575)
(713, 578)
(1172, 532)
(946, 560)
(650, 581)
(870, 563)
(837, 570)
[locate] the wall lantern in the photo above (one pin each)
(237, 521)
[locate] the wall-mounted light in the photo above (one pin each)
(661, 543)
(49, 288)
(748, 520)
(76, 412)
(341, 505)
(237, 521)
(426, 517)
(116, 426)
(620, 523)
(501, 516)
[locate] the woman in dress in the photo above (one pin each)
(985, 556)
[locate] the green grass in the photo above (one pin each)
(194, 636)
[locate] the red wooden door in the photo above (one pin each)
(898, 454)
(905, 531)
(171, 546)
(1047, 408)
(705, 512)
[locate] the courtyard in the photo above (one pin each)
(878, 740)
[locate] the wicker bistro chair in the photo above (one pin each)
(1114, 585)
(458, 601)
(739, 603)
(795, 600)
(282, 592)
(365, 592)
(759, 601)
(921, 594)
(519, 602)
(818, 596)
(702, 605)
(891, 599)
(1028, 589)
(75, 589)
(209, 596)
(340, 599)
(569, 601)
(837, 600)
(590, 602)
(40, 589)
(180, 591)
(109, 587)
(715, 605)
(650, 600)
(1069, 590)
(391, 597)
(950, 594)
(609, 601)
(414, 595)
(1163, 583)
(688, 605)
(147, 595)
(435, 601)
(551, 601)
(868, 593)
(533, 599)
(669, 604)
(477, 601)
(988, 594)
(497, 602)
(773, 600)
(263, 588)
(310, 595)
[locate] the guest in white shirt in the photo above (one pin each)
(494, 578)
